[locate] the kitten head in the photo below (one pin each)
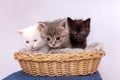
(55, 32)
(79, 29)
(31, 36)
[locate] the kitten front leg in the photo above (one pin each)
(95, 46)
(23, 50)
(53, 51)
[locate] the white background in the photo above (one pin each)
(105, 27)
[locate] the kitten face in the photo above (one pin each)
(32, 42)
(31, 36)
(55, 33)
(79, 29)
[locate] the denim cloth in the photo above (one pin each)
(20, 75)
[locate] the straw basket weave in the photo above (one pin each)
(59, 64)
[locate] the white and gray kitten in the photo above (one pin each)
(56, 34)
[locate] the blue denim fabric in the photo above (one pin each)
(20, 75)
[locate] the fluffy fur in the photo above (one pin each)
(79, 30)
(56, 33)
(94, 46)
(33, 40)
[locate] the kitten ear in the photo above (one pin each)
(87, 22)
(69, 20)
(20, 32)
(63, 23)
(41, 26)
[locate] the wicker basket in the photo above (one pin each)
(59, 64)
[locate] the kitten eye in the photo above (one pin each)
(82, 32)
(73, 32)
(35, 40)
(27, 41)
(48, 39)
(58, 38)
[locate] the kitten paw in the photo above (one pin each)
(52, 51)
(23, 50)
(95, 46)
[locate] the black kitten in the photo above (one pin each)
(79, 30)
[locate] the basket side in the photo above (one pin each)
(67, 68)
(59, 64)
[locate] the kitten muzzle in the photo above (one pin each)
(33, 48)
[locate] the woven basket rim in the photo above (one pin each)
(58, 57)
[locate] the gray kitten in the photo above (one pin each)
(56, 34)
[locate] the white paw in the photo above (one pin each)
(98, 47)
(23, 50)
(95, 46)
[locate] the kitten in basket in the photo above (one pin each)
(79, 31)
(33, 40)
(56, 34)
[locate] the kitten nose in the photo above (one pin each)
(53, 43)
(32, 47)
(78, 35)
